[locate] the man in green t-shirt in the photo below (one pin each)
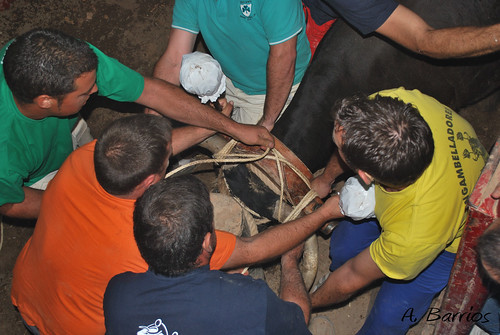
(45, 79)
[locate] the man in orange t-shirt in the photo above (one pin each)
(84, 234)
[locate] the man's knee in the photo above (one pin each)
(349, 239)
(81, 134)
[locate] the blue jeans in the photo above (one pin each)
(399, 303)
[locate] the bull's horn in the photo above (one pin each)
(214, 143)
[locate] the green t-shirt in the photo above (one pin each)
(30, 149)
(428, 216)
(239, 35)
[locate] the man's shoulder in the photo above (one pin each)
(234, 279)
(83, 154)
(125, 278)
(230, 286)
(7, 105)
(366, 15)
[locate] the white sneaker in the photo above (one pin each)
(477, 331)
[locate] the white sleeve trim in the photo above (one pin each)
(287, 38)
(185, 29)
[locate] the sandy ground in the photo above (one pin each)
(136, 33)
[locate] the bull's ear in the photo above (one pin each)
(367, 179)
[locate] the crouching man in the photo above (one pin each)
(174, 230)
(424, 160)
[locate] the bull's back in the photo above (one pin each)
(345, 63)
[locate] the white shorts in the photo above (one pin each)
(80, 136)
(248, 109)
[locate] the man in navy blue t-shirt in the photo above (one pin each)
(405, 27)
(173, 228)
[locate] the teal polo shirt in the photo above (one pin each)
(239, 35)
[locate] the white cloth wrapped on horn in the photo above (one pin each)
(202, 75)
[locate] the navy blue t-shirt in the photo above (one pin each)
(200, 302)
(366, 15)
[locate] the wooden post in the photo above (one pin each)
(465, 294)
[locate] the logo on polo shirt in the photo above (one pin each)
(246, 9)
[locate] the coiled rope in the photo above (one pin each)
(225, 156)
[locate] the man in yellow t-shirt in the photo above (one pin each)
(424, 160)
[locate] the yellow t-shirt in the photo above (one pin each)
(428, 216)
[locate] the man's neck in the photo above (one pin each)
(134, 195)
(203, 259)
(30, 110)
(393, 189)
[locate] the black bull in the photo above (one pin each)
(345, 63)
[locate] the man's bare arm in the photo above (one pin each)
(185, 137)
(275, 241)
(342, 283)
(292, 286)
(411, 31)
(322, 184)
(28, 209)
(171, 101)
(168, 66)
(279, 77)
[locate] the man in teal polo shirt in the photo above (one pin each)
(260, 45)
(45, 79)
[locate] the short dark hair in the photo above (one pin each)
(129, 150)
(385, 138)
(171, 220)
(488, 248)
(44, 61)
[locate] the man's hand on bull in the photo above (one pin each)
(331, 208)
(227, 106)
(254, 135)
(322, 184)
(249, 134)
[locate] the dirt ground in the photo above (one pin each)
(136, 33)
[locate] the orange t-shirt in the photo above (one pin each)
(83, 237)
